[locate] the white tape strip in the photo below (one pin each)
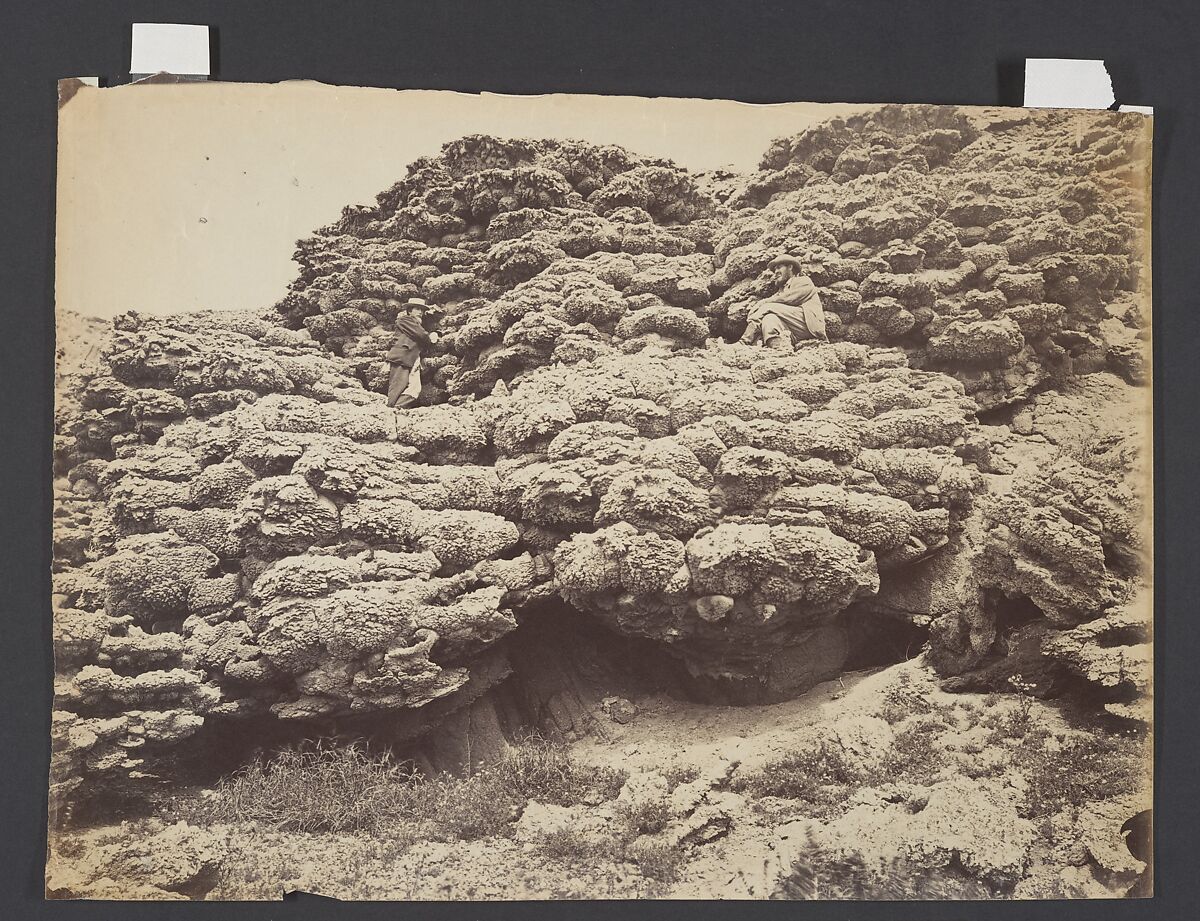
(171, 47)
(1061, 83)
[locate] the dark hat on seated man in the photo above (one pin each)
(786, 260)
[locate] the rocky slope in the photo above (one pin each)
(244, 531)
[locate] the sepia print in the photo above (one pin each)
(635, 499)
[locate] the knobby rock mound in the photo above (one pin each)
(244, 529)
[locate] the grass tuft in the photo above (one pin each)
(349, 789)
(322, 789)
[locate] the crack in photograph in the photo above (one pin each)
(635, 499)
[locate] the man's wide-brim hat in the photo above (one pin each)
(786, 260)
(417, 302)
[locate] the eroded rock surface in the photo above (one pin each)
(1004, 252)
(244, 528)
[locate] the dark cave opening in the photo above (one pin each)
(1127, 635)
(1121, 560)
(600, 657)
(1010, 612)
(878, 639)
(1001, 414)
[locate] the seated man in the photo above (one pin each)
(405, 354)
(793, 312)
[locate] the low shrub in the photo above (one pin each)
(464, 809)
(1011, 721)
(677, 774)
(658, 861)
(1081, 769)
(913, 756)
(575, 847)
(902, 699)
(647, 817)
(818, 776)
(542, 770)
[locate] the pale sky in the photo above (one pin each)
(191, 196)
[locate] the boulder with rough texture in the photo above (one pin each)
(178, 861)
(962, 822)
(1060, 537)
(1113, 653)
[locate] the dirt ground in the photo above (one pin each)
(670, 732)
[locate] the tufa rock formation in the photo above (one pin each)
(245, 530)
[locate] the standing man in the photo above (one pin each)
(405, 354)
(794, 311)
